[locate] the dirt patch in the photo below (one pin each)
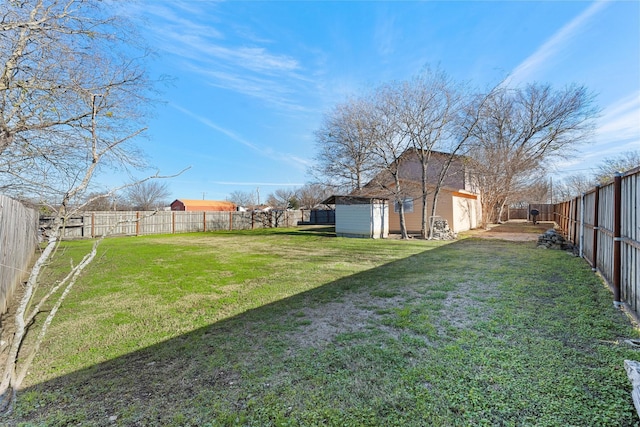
(515, 231)
(513, 237)
(332, 319)
(362, 312)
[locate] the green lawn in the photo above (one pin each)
(298, 328)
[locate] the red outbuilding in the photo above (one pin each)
(202, 205)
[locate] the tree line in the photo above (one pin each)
(308, 196)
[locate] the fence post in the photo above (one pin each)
(204, 221)
(230, 221)
(173, 222)
(596, 228)
(574, 214)
(137, 223)
(617, 239)
(582, 204)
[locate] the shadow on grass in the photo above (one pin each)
(257, 369)
(155, 382)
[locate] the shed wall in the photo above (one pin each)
(362, 220)
(353, 220)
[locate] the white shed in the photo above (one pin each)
(365, 217)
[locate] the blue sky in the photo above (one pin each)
(252, 80)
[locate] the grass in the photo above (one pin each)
(297, 328)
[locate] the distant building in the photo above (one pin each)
(202, 205)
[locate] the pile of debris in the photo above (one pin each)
(551, 239)
(441, 230)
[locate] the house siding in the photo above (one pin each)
(465, 213)
(459, 209)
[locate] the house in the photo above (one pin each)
(458, 202)
(366, 217)
(202, 205)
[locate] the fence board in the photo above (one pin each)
(18, 242)
(609, 234)
(133, 223)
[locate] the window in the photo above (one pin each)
(408, 206)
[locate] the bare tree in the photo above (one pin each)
(243, 198)
(60, 71)
(426, 106)
(621, 163)
(283, 199)
(311, 195)
(573, 186)
(345, 142)
(537, 191)
(577, 184)
(147, 195)
(72, 100)
(519, 130)
(96, 201)
(390, 145)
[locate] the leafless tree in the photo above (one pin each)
(538, 191)
(425, 106)
(573, 186)
(73, 91)
(243, 198)
(311, 195)
(60, 71)
(390, 143)
(97, 201)
(147, 195)
(519, 130)
(621, 163)
(283, 199)
(344, 141)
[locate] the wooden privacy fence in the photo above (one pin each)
(138, 223)
(18, 242)
(545, 212)
(604, 223)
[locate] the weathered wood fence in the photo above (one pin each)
(138, 223)
(18, 242)
(545, 212)
(604, 223)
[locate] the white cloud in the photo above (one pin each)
(244, 65)
(552, 47)
(621, 121)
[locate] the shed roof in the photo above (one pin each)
(207, 204)
(352, 200)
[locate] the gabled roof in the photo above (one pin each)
(410, 170)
